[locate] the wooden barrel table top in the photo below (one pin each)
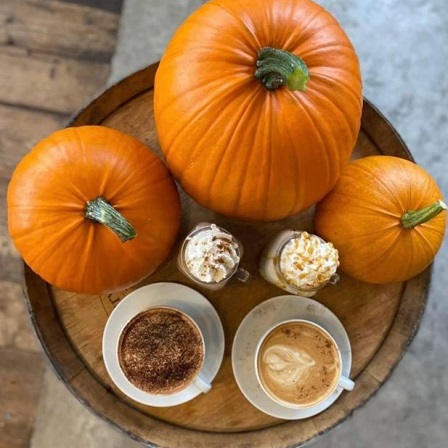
(380, 320)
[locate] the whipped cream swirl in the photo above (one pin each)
(211, 255)
(307, 261)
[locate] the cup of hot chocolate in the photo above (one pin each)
(298, 364)
(210, 256)
(161, 351)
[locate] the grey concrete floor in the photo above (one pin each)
(404, 60)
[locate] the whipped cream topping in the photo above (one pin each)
(307, 261)
(211, 255)
(287, 364)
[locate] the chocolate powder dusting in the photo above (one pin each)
(161, 351)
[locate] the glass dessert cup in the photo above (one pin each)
(233, 271)
(270, 265)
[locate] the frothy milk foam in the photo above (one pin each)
(298, 364)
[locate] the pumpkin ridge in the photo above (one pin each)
(198, 152)
(371, 234)
(269, 155)
(340, 159)
(317, 135)
(238, 18)
(211, 100)
(64, 227)
(196, 20)
(246, 57)
(393, 198)
(410, 270)
(322, 49)
(317, 75)
(246, 107)
(40, 259)
(266, 181)
(317, 11)
(423, 240)
(59, 178)
(377, 258)
(84, 150)
(297, 194)
(351, 131)
(130, 186)
(89, 256)
(106, 175)
(358, 202)
(425, 184)
(114, 191)
(186, 123)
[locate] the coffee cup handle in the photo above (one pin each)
(202, 385)
(242, 275)
(346, 383)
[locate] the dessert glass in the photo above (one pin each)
(321, 270)
(221, 243)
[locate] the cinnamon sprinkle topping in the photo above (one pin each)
(161, 351)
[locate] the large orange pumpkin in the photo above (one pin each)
(92, 210)
(386, 218)
(257, 106)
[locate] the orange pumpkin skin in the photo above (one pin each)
(46, 199)
(236, 147)
(361, 216)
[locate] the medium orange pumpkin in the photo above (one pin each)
(386, 218)
(73, 180)
(257, 106)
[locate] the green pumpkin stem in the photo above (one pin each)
(99, 210)
(413, 218)
(276, 68)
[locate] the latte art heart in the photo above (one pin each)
(287, 364)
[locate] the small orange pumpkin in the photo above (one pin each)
(386, 218)
(257, 105)
(92, 210)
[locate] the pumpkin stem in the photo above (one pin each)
(279, 67)
(99, 210)
(413, 218)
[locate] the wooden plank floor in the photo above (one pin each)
(54, 58)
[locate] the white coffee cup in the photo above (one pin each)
(290, 362)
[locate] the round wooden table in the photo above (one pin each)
(381, 320)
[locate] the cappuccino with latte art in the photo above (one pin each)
(298, 364)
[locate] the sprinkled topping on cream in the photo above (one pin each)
(211, 255)
(306, 261)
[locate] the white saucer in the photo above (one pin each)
(254, 325)
(176, 296)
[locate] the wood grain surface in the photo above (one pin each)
(380, 319)
(54, 57)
